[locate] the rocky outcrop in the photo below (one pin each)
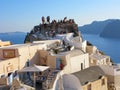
(48, 30)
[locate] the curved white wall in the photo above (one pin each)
(71, 82)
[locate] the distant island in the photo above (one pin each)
(16, 32)
(109, 28)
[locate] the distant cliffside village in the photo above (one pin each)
(48, 29)
(61, 61)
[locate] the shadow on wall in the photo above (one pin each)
(35, 59)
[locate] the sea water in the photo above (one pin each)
(110, 46)
(15, 38)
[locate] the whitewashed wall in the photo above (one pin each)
(75, 62)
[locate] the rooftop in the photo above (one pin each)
(111, 70)
(72, 53)
(19, 45)
(98, 56)
(89, 75)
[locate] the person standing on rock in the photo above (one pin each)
(43, 20)
(48, 19)
(65, 20)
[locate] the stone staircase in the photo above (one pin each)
(48, 84)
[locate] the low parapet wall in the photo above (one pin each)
(3, 81)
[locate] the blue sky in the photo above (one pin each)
(22, 15)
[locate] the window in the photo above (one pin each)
(103, 82)
(89, 87)
(9, 53)
(81, 66)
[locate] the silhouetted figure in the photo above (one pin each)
(43, 20)
(70, 21)
(73, 21)
(48, 19)
(65, 19)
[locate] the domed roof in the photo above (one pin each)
(71, 82)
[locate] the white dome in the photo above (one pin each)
(71, 82)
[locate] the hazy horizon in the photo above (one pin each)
(23, 15)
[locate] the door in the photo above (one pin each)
(81, 66)
(58, 63)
